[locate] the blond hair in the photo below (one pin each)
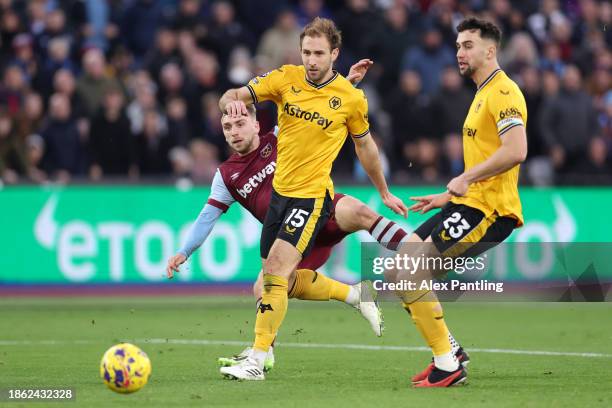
(323, 27)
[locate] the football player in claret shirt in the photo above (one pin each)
(317, 109)
(481, 207)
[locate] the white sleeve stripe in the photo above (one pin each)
(219, 191)
(508, 122)
(510, 127)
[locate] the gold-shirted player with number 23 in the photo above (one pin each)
(482, 205)
(317, 109)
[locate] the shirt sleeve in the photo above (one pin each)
(218, 202)
(357, 123)
(220, 196)
(268, 87)
(200, 229)
(508, 108)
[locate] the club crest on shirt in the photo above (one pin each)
(335, 102)
(266, 151)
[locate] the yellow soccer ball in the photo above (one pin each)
(125, 368)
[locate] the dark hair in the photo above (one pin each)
(323, 27)
(487, 28)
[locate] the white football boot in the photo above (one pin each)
(368, 307)
(237, 358)
(247, 370)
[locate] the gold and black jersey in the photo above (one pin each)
(314, 121)
(498, 106)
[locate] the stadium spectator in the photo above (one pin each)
(35, 151)
(64, 150)
(178, 125)
(64, 83)
(143, 89)
(452, 148)
(171, 83)
(153, 147)
(351, 20)
(25, 57)
(10, 27)
(191, 17)
(13, 89)
(111, 140)
(307, 10)
(400, 29)
(429, 59)
(58, 58)
(13, 160)
(204, 74)
(94, 83)
(450, 104)
(568, 123)
(29, 121)
(205, 160)
(411, 120)
(277, 44)
(521, 52)
(140, 22)
(165, 52)
(55, 26)
(239, 68)
(225, 32)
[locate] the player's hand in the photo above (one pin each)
(458, 186)
(359, 70)
(235, 109)
(395, 204)
(173, 264)
(429, 202)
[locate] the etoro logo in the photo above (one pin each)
(119, 250)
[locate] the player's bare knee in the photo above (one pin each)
(366, 216)
(275, 265)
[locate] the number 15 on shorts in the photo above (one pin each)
(297, 217)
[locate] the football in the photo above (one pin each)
(125, 368)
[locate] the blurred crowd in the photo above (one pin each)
(128, 90)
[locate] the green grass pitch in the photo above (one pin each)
(51, 342)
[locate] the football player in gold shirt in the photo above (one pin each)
(481, 206)
(317, 110)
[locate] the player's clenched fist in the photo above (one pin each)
(235, 109)
(173, 264)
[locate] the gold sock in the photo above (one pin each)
(271, 311)
(312, 285)
(426, 313)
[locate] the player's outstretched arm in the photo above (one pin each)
(219, 201)
(234, 101)
(367, 152)
(512, 151)
(198, 233)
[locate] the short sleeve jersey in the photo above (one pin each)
(498, 106)
(314, 121)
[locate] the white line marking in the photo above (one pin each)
(202, 342)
